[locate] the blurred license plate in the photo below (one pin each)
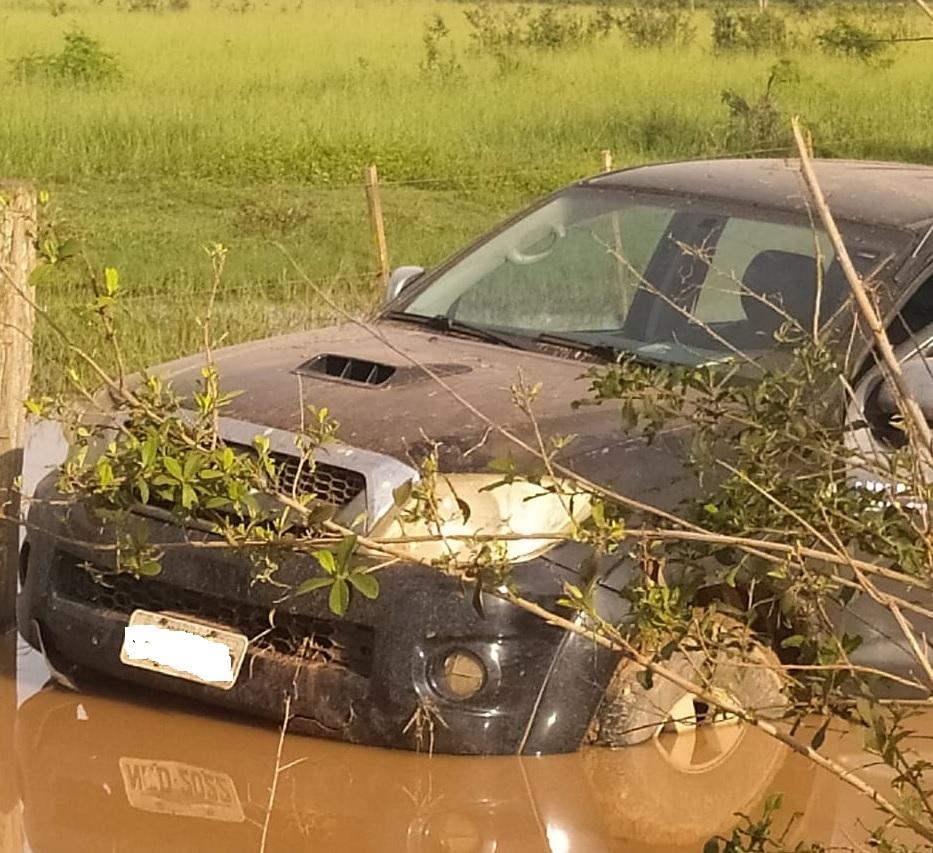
(169, 787)
(183, 648)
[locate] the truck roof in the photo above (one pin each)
(894, 195)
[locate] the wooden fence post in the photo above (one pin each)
(378, 226)
(11, 815)
(17, 260)
(605, 157)
(623, 291)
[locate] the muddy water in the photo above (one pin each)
(118, 771)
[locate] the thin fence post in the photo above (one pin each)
(17, 260)
(378, 225)
(623, 292)
(605, 157)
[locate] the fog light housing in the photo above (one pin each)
(460, 675)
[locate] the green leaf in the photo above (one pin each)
(339, 597)
(143, 488)
(864, 708)
(464, 508)
(326, 561)
(572, 591)
(644, 678)
(502, 465)
(192, 463)
(312, 584)
(173, 466)
(401, 494)
(188, 496)
(366, 584)
(34, 407)
(149, 568)
(111, 280)
(147, 451)
(820, 735)
(68, 249)
(104, 472)
(345, 550)
(793, 642)
(210, 474)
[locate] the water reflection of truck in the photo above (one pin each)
(97, 773)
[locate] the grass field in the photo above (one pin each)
(249, 124)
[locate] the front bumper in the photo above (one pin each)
(369, 677)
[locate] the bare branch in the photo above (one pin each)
(912, 413)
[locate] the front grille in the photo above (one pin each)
(336, 642)
(330, 483)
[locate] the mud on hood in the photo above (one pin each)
(384, 401)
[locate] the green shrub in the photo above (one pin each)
(497, 31)
(752, 31)
(82, 60)
(158, 5)
(808, 7)
(272, 216)
(552, 30)
(656, 26)
(440, 57)
(850, 40)
(758, 124)
(493, 30)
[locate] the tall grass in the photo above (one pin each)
(220, 109)
(312, 94)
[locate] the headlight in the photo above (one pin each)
(470, 505)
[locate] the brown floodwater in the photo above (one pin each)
(115, 770)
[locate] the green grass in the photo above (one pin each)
(252, 128)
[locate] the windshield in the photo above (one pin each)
(668, 280)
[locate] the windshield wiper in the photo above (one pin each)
(445, 324)
(515, 340)
(600, 351)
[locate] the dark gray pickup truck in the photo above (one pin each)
(543, 296)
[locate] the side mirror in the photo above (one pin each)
(918, 376)
(400, 279)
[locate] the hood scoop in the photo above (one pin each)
(347, 368)
(361, 371)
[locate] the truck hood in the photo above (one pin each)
(402, 411)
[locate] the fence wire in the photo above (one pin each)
(474, 177)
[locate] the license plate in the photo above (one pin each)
(173, 788)
(183, 648)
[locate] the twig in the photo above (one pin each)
(926, 8)
(276, 774)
